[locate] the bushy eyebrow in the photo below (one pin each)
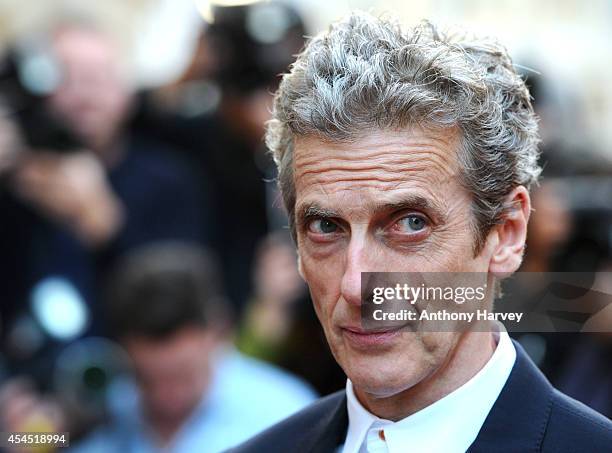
(313, 210)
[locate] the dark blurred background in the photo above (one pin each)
(148, 283)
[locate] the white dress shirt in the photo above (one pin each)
(449, 425)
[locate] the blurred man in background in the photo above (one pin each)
(191, 391)
(128, 190)
(71, 212)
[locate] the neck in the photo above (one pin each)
(471, 353)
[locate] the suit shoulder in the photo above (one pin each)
(575, 427)
(293, 431)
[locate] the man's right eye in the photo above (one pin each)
(322, 226)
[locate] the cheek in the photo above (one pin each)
(436, 345)
(323, 278)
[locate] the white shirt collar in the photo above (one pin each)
(451, 424)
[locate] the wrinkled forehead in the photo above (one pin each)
(377, 167)
(380, 171)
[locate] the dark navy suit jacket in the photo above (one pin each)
(530, 415)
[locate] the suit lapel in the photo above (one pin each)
(518, 419)
(330, 431)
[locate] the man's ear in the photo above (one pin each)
(511, 234)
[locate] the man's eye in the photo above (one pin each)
(323, 226)
(412, 224)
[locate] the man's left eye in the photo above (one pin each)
(412, 224)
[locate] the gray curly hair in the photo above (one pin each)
(368, 73)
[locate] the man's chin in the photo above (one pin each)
(381, 376)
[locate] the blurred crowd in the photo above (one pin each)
(150, 298)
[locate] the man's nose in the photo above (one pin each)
(358, 260)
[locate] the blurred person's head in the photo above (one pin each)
(93, 95)
(250, 46)
(166, 308)
(402, 151)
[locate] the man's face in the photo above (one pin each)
(172, 373)
(92, 97)
(388, 202)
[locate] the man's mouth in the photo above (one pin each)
(365, 338)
